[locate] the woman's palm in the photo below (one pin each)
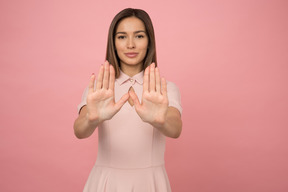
(101, 104)
(154, 105)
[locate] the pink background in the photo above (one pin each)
(229, 59)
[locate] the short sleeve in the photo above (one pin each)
(174, 96)
(83, 100)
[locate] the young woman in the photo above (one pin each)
(133, 108)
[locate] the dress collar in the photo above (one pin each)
(124, 78)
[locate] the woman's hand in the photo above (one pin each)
(101, 104)
(154, 106)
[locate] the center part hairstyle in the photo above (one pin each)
(111, 54)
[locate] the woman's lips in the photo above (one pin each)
(131, 55)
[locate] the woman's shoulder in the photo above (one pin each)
(174, 96)
(171, 86)
(172, 90)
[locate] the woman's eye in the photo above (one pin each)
(121, 37)
(140, 36)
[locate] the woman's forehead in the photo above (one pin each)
(130, 24)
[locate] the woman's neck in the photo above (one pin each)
(131, 70)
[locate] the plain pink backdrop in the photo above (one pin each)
(229, 59)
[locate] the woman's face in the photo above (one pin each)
(131, 42)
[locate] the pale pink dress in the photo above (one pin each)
(130, 154)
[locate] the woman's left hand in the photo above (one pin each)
(154, 106)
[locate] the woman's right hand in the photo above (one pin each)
(101, 104)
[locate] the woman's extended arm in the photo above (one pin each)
(154, 107)
(101, 104)
(172, 125)
(83, 127)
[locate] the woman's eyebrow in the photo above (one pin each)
(140, 31)
(120, 33)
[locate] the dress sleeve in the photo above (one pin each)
(83, 100)
(174, 96)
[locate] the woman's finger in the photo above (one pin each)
(152, 77)
(158, 80)
(122, 101)
(164, 87)
(106, 75)
(91, 84)
(100, 78)
(146, 79)
(135, 99)
(111, 78)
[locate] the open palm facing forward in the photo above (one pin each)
(101, 104)
(154, 105)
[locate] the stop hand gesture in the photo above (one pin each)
(101, 104)
(154, 106)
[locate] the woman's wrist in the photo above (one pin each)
(92, 121)
(159, 123)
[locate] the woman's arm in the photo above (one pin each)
(154, 107)
(100, 105)
(172, 125)
(83, 127)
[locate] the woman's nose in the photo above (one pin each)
(131, 43)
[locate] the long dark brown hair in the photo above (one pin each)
(111, 54)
